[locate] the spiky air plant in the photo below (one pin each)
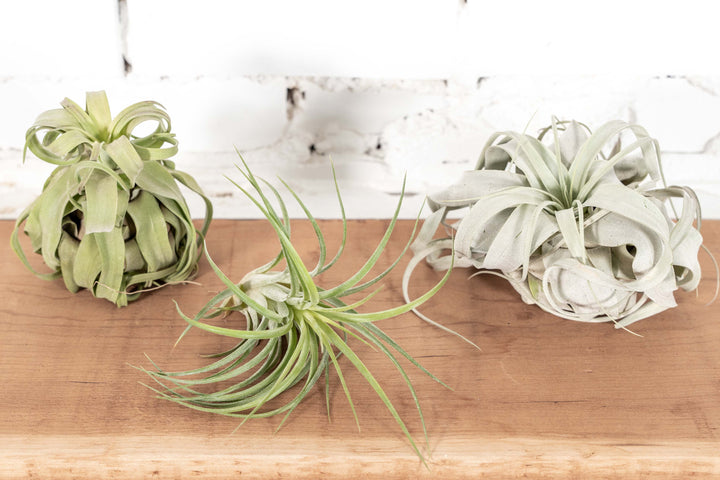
(290, 330)
(111, 217)
(579, 223)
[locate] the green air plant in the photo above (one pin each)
(577, 222)
(111, 217)
(291, 330)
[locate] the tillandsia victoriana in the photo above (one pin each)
(292, 331)
(578, 222)
(111, 217)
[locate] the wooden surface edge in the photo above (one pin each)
(177, 457)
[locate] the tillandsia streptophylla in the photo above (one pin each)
(578, 222)
(111, 217)
(291, 330)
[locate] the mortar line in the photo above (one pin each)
(123, 31)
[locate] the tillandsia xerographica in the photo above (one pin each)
(111, 217)
(577, 222)
(290, 330)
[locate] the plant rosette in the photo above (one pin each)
(111, 217)
(291, 331)
(578, 222)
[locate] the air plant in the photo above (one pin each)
(291, 331)
(577, 222)
(111, 217)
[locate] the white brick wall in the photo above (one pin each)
(381, 87)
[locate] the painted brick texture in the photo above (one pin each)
(382, 88)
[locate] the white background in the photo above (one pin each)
(382, 87)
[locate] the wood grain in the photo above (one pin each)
(545, 398)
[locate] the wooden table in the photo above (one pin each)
(545, 398)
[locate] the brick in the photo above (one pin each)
(682, 116)
(372, 39)
(207, 114)
(20, 183)
(691, 169)
(709, 84)
(364, 109)
(434, 148)
(51, 39)
(520, 102)
(701, 172)
(566, 37)
(369, 188)
(210, 114)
